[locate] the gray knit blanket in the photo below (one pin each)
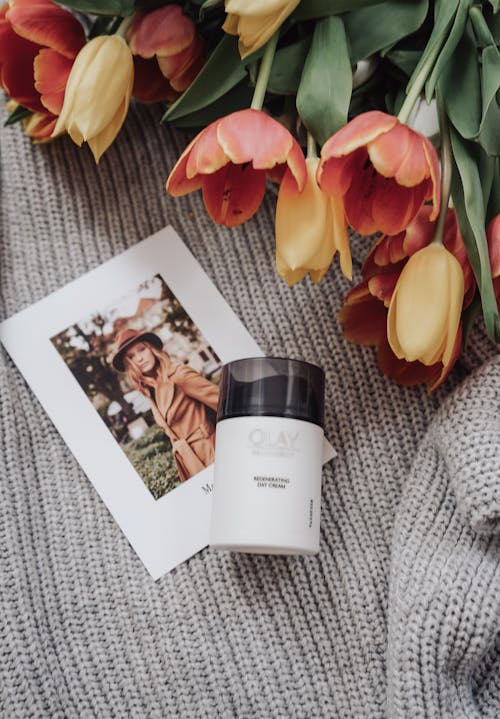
(398, 615)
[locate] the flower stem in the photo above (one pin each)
(418, 84)
(312, 152)
(445, 169)
(124, 26)
(264, 72)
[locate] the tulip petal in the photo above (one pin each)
(256, 7)
(400, 154)
(206, 155)
(255, 23)
(394, 206)
(403, 372)
(446, 368)
(150, 85)
(340, 234)
(49, 25)
(178, 183)
(253, 136)
(92, 112)
(84, 58)
(51, 72)
(364, 320)
(17, 56)
(382, 286)
(419, 232)
(357, 133)
(456, 296)
(335, 174)
(100, 143)
(358, 213)
(176, 65)
(420, 306)
(183, 81)
(165, 31)
(230, 25)
(493, 237)
(233, 194)
(40, 126)
(304, 227)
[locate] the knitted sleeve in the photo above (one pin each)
(443, 657)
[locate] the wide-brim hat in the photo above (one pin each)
(128, 337)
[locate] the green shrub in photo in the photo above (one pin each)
(153, 459)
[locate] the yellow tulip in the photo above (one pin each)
(98, 93)
(425, 308)
(255, 21)
(310, 228)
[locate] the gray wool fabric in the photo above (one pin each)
(398, 615)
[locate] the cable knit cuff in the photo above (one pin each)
(468, 438)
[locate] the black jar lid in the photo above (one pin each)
(274, 387)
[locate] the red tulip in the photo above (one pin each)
(384, 170)
(168, 39)
(38, 43)
(229, 161)
(150, 85)
(493, 236)
(364, 314)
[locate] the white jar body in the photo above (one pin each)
(267, 485)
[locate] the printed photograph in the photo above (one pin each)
(153, 379)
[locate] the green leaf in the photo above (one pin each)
(101, 7)
(468, 201)
(455, 34)
(495, 4)
(312, 9)
(326, 84)
(372, 29)
(494, 25)
(461, 90)
(222, 72)
(489, 131)
(494, 201)
(486, 169)
(237, 98)
(469, 317)
(405, 60)
(444, 14)
(20, 113)
(287, 67)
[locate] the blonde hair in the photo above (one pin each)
(141, 382)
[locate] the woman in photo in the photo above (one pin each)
(179, 395)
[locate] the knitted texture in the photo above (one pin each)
(85, 632)
(444, 608)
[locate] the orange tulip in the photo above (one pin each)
(384, 170)
(167, 39)
(364, 314)
(310, 228)
(229, 161)
(38, 44)
(150, 85)
(493, 236)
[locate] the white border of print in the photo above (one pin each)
(169, 530)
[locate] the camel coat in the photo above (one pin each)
(179, 403)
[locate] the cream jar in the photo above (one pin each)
(268, 457)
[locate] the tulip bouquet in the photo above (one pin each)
(382, 116)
